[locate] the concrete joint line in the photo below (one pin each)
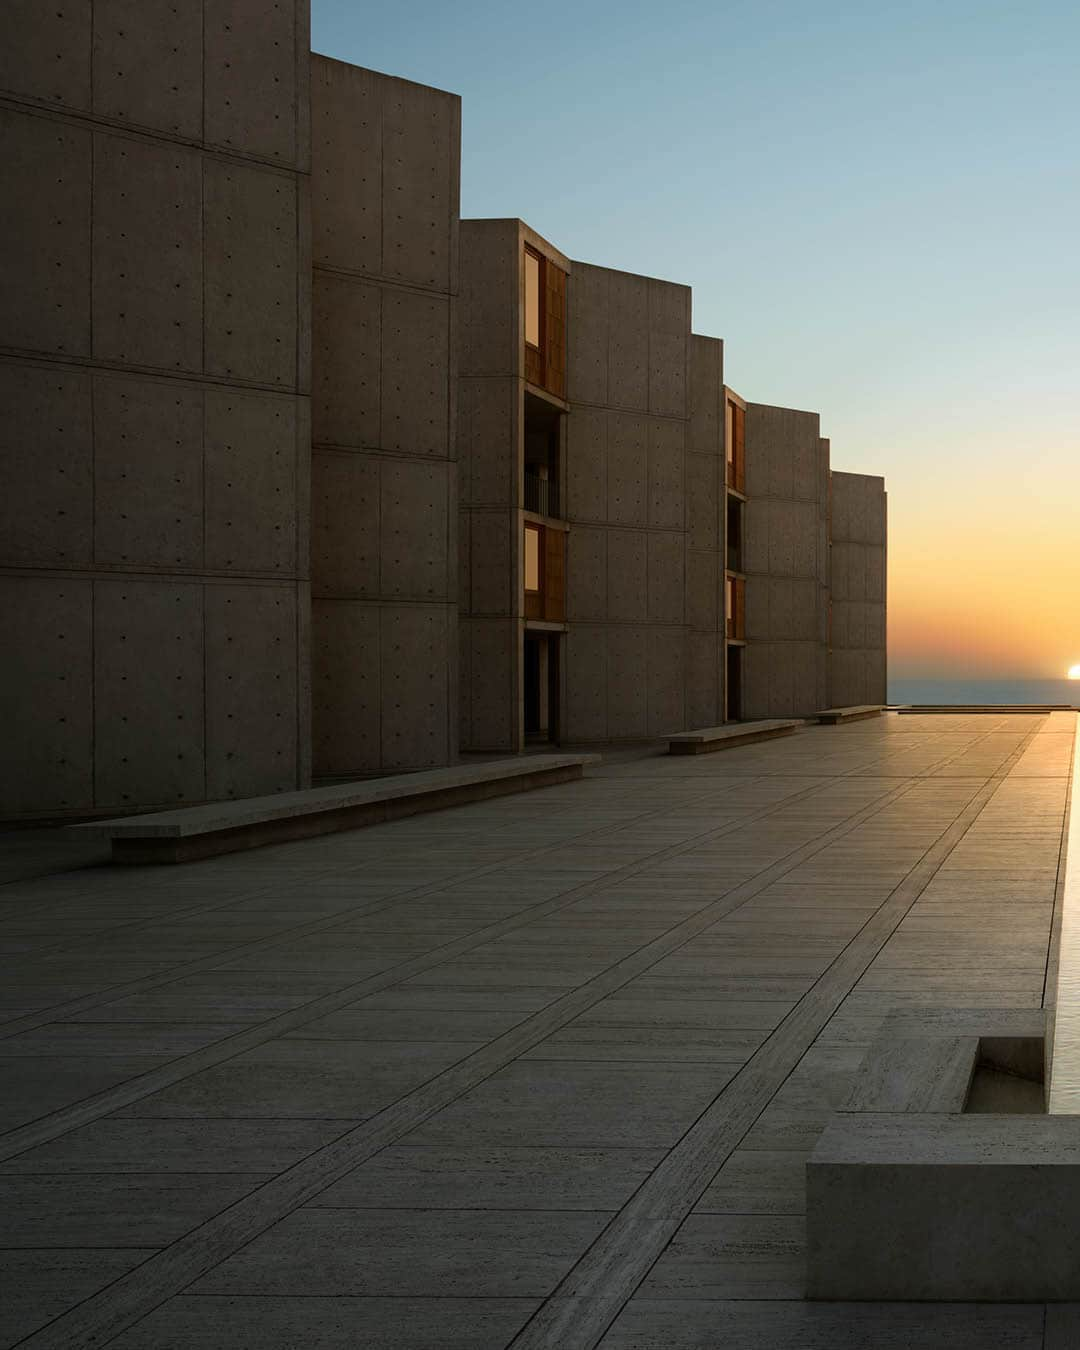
(582, 1308)
(133, 1296)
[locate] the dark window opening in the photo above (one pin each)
(541, 686)
(542, 435)
(733, 685)
(735, 535)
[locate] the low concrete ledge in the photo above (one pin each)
(942, 1178)
(733, 733)
(945, 1208)
(225, 827)
(831, 716)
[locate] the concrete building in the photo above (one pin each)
(285, 500)
(154, 467)
(384, 211)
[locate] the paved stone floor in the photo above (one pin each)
(537, 1072)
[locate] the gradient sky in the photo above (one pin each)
(878, 208)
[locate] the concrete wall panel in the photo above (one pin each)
(627, 575)
(250, 481)
(46, 684)
(414, 521)
(346, 695)
(45, 244)
(667, 374)
(46, 466)
(587, 574)
(491, 539)
(45, 53)
(251, 78)
(781, 609)
(704, 654)
(415, 360)
(148, 693)
(251, 675)
(148, 64)
(702, 591)
(491, 683)
(148, 267)
(148, 476)
(344, 537)
(588, 356)
(669, 341)
(415, 702)
(586, 683)
(666, 682)
(805, 610)
(703, 501)
(804, 530)
(347, 360)
(627, 469)
(627, 693)
(781, 669)
(806, 697)
(667, 578)
(250, 273)
(783, 528)
(705, 433)
(667, 454)
(420, 128)
(486, 419)
(757, 527)
(346, 179)
(489, 330)
(587, 464)
(758, 621)
(628, 341)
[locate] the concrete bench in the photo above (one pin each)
(734, 733)
(225, 827)
(831, 716)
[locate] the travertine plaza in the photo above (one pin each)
(323, 508)
(541, 1071)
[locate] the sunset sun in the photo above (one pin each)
(1074, 672)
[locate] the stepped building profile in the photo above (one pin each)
(304, 477)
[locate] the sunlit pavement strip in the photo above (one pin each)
(572, 1107)
(1064, 1094)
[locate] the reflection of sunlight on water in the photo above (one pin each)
(1064, 1029)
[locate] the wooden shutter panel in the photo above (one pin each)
(740, 608)
(555, 329)
(739, 421)
(554, 576)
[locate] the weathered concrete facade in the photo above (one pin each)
(627, 583)
(858, 569)
(154, 384)
(303, 476)
(385, 165)
(497, 407)
(786, 563)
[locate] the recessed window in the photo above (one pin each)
(532, 298)
(532, 559)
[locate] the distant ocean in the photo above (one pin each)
(985, 691)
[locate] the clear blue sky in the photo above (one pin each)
(877, 205)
